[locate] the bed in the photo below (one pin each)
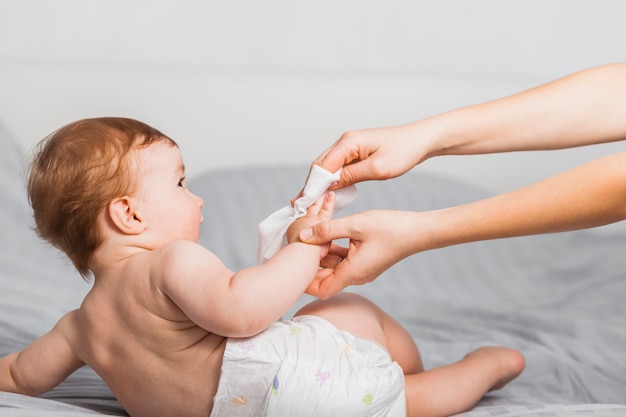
(558, 298)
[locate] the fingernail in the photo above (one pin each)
(306, 234)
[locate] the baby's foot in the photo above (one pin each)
(510, 363)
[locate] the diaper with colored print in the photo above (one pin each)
(306, 367)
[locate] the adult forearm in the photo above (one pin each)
(581, 109)
(588, 196)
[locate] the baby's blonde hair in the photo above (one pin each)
(76, 172)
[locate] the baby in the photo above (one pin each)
(173, 332)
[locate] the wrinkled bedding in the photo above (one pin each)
(557, 298)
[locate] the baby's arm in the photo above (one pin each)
(41, 365)
(246, 302)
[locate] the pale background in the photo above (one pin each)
(251, 82)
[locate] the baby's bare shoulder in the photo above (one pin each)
(68, 325)
(184, 258)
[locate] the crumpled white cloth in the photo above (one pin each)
(273, 230)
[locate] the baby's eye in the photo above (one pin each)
(181, 182)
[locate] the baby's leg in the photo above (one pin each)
(361, 317)
(457, 387)
(442, 391)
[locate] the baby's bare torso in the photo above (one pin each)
(152, 357)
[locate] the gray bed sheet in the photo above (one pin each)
(558, 298)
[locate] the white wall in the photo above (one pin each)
(265, 82)
(541, 37)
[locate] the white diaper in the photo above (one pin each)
(306, 367)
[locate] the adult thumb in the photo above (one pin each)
(319, 233)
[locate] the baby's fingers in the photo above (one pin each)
(328, 207)
(323, 208)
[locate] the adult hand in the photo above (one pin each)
(378, 239)
(375, 154)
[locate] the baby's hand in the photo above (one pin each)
(321, 210)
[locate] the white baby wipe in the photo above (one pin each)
(273, 230)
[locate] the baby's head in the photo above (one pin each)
(76, 172)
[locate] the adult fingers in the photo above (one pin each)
(325, 284)
(324, 232)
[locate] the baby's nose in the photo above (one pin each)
(200, 201)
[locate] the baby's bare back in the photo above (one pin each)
(152, 357)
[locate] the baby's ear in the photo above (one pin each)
(123, 214)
